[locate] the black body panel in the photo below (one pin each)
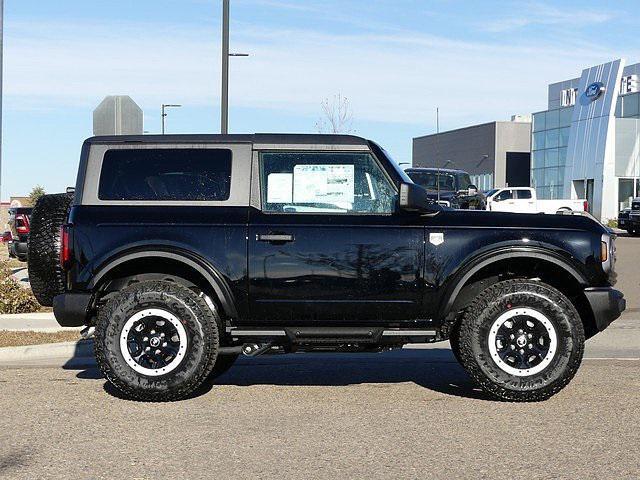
(365, 268)
(214, 237)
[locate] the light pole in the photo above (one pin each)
(224, 106)
(164, 113)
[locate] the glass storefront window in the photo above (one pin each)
(564, 137)
(552, 119)
(538, 122)
(538, 141)
(537, 159)
(630, 107)
(562, 156)
(555, 192)
(551, 158)
(625, 192)
(565, 116)
(552, 138)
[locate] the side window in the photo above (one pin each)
(324, 183)
(524, 194)
(504, 195)
(166, 174)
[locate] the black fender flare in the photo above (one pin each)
(211, 275)
(493, 256)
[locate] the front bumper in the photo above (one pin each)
(630, 222)
(606, 303)
(71, 309)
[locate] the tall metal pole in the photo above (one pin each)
(224, 120)
(163, 115)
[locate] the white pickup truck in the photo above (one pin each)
(523, 200)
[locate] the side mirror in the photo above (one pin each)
(473, 190)
(414, 198)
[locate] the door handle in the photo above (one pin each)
(275, 237)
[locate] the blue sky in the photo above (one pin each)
(395, 60)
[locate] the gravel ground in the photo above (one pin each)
(390, 416)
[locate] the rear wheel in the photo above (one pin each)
(521, 340)
(156, 341)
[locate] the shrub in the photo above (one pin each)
(14, 298)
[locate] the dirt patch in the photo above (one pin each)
(17, 339)
(12, 262)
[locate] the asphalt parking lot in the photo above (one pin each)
(405, 414)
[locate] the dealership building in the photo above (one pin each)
(586, 144)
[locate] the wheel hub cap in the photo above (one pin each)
(153, 342)
(522, 341)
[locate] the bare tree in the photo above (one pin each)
(336, 117)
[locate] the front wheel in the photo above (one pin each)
(521, 340)
(156, 341)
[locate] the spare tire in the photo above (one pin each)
(46, 275)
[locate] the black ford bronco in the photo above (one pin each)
(184, 252)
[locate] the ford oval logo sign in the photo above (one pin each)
(594, 90)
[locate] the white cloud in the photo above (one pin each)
(538, 13)
(389, 77)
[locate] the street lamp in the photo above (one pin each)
(224, 106)
(164, 113)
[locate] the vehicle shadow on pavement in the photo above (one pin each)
(434, 369)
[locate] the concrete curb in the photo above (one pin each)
(52, 354)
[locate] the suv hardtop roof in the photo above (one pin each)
(266, 138)
(434, 169)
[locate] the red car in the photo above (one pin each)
(19, 224)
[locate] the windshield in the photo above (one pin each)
(428, 180)
(491, 192)
(463, 181)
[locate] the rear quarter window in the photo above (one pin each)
(166, 174)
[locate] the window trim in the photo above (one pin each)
(240, 172)
(194, 200)
(261, 182)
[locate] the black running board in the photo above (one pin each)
(329, 335)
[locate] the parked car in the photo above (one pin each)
(524, 200)
(19, 225)
(185, 251)
(624, 222)
(629, 218)
(451, 188)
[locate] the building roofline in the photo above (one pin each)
(458, 129)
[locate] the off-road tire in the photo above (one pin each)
(201, 325)
(500, 298)
(454, 341)
(46, 276)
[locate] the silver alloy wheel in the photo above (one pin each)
(153, 342)
(522, 342)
